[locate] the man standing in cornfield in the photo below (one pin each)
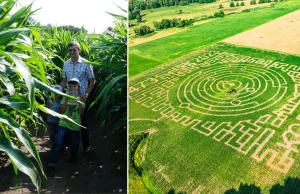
(76, 67)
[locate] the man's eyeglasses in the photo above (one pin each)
(72, 50)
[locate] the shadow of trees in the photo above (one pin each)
(244, 188)
(291, 185)
(172, 191)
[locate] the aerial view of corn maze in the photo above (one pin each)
(219, 111)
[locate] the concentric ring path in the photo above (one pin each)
(231, 90)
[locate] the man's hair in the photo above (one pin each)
(74, 43)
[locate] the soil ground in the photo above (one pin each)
(282, 34)
(100, 171)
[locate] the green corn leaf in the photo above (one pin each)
(22, 56)
(37, 35)
(27, 13)
(15, 43)
(14, 18)
(8, 84)
(26, 40)
(124, 10)
(5, 67)
(7, 7)
(5, 36)
(5, 131)
(22, 136)
(21, 41)
(55, 114)
(104, 93)
(25, 73)
(39, 62)
(15, 101)
(20, 161)
(108, 87)
(119, 17)
(106, 97)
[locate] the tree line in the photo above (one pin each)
(163, 24)
(152, 4)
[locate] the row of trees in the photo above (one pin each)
(253, 2)
(264, 1)
(237, 4)
(151, 4)
(171, 23)
(166, 23)
(219, 14)
(31, 58)
(143, 30)
(136, 13)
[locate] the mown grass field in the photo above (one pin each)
(152, 54)
(205, 139)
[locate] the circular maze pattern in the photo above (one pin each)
(231, 90)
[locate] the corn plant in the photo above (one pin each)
(24, 63)
(110, 53)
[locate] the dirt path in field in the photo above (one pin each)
(282, 34)
(163, 33)
(98, 172)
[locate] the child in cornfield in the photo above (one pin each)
(52, 122)
(73, 110)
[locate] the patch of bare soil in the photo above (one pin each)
(282, 34)
(101, 171)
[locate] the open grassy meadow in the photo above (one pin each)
(207, 116)
(151, 54)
